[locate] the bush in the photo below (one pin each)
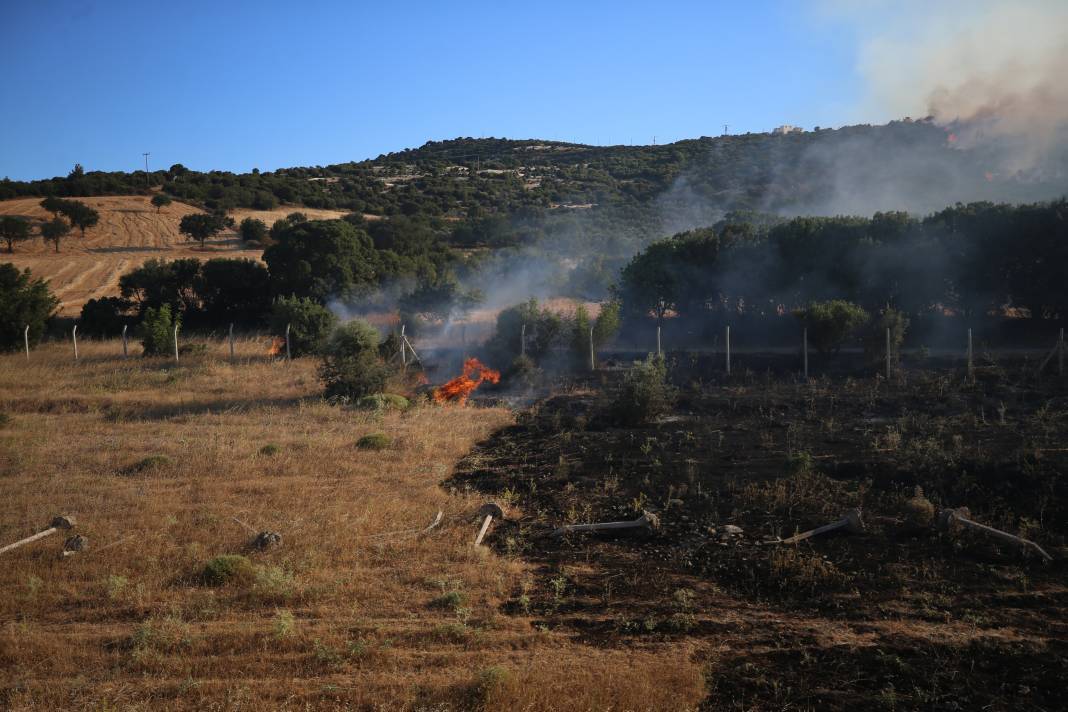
(875, 336)
(24, 301)
(157, 331)
(105, 316)
(830, 323)
(234, 290)
(383, 401)
(543, 329)
(352, 367)
(646, 394)
(228, 568)
(253, 230)
(270, 449)
(374, 441)
(310, 323)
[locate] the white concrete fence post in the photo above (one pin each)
(74, 337)
(593, 362)
(289, 353)
(176, 343)
(26, 338)
(125, 342)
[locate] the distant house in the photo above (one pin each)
(786, 129)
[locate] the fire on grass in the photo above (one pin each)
(277, 347)
(458, 389)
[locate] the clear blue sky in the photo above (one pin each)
(237, 85)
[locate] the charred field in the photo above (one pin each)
(900, 616)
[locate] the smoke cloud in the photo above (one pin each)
(992, 70)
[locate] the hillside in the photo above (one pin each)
(130, 232)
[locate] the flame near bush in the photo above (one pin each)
(458, 389)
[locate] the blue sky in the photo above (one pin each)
(237, 85)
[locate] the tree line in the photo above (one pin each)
(974, 259)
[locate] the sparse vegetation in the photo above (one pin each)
(374, 441)
(645, 395)
(351, 365)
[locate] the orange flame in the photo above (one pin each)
(458, 389)
(276, 346)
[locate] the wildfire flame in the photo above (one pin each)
(276, 346)
(458, 389)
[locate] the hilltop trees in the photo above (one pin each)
(13, 229)
(54, 231)
(201, 226)
(24, 301)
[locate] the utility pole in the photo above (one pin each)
(147, 181)
(726, 129)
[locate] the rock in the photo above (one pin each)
(732, 530)
(265, 540)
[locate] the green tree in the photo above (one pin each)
(24, 301)
(80, 215)
(161, 200)
(253, 230)
(104, 317)
(351, 365)
(55, 230)
(875, 336)
(322, 259)
(310, 323)
(14, 229)
(201, 226)
(830, 323)
(157, 331)
(233, 290)
(53, 205)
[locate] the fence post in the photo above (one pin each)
(971, 371)
(888, 353)
(26, 338)
(125, 349)
(231, 341)
(728, 342)
(804, 347)
(404, 350)
(289, 354)
(593, 363)
(523, 340)
(658, 352)
(1060, 354)
(176, 343)
(74, 336)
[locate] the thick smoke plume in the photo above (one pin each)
(992, 70)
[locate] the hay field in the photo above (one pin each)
(166, 467)
(130, 232)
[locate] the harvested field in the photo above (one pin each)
(130, 232)
(168, 467)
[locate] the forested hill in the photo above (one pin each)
(915, 166)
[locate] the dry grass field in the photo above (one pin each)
(130, 232)
(167, 467)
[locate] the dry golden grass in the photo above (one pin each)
(332, 618)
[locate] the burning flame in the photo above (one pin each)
(458, 389)
(276, 346)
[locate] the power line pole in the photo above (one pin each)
(726, 129)
(147, 182)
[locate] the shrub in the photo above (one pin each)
(646, 394)
(23, 302)
(310, 323)
(875, 336)
(383, 401)
(157, 331)
(270, 449)
(161, 200)
(830, 323)
(351, 366)
(374, 441)
(228, 568)
(543, 328)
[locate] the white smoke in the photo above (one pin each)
(993, 70)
